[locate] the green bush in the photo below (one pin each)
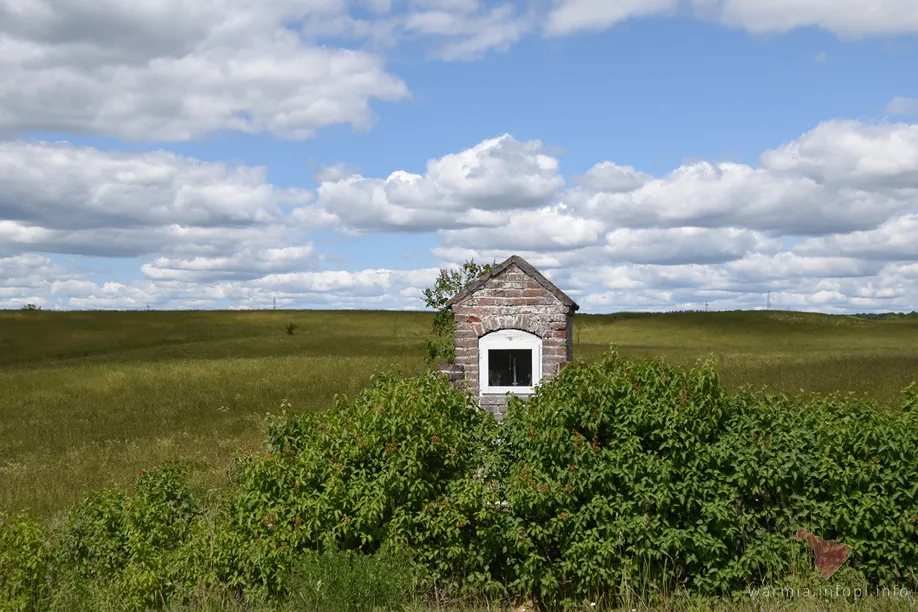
(399, 464)
(641, 476)
(617, 480)
(130, 539)
(24, 557)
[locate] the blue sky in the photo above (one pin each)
(646, 156)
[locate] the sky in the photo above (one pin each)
(645, 155)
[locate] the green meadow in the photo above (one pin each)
(91, 399)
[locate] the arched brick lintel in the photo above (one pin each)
(520, 322)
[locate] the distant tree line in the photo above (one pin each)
(887, 316)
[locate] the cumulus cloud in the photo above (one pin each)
(895, 240)
(61, 186)
(469, 188)
(852, 154)
(706, 194)
(27, 278)
(822, 222)
(848, 18)
(207, 220)
(684, 244)
(546, 229)
(166, 70)
(243, 264)
(610, 177)
(841, 176)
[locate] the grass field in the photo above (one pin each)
(90, 399)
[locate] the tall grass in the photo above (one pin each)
(90, 399)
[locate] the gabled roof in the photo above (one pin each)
(523, 265)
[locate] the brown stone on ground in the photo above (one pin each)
(829, 555)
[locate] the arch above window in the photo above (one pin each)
(510, 361)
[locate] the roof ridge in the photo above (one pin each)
(523, 265)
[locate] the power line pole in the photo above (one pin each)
(768, 301)
(705, 306)
(275, 302)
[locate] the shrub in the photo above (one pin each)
(24, 557)
(626, 475)
(399, 464)
(615, 479)
(291, 328)
(131, 539)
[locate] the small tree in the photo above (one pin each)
(449, 283)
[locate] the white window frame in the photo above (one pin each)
(509, 339)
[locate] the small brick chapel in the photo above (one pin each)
(514, 329)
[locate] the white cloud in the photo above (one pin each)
(825, 222)
(334, 172)
(895, 240)
(545, 229)
(206, 220)
(169, 70)
(684, 245)
(463, 189)
(902, 107)
(569, 16)
(848, 18)
(27, 278)
(706, 194)
(609, 177)
(453, 257)
(841, 176)
(243, 264)
(61, 186)
(852, 154)
(470, 31)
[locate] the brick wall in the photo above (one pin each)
(511, 300)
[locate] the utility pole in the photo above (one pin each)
(705, 306)
(768, 301)
(275, 302)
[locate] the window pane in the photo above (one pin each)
(510, 368)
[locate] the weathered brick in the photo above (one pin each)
(509, 300)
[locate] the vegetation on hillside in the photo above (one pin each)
(887, 316)
(618, 478)
(91, 399)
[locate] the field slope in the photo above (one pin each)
(89, 399)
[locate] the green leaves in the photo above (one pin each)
(643, 475)
(616, 478)
(399, 463)
(448, 284)
(129, 540)
(24, 558)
